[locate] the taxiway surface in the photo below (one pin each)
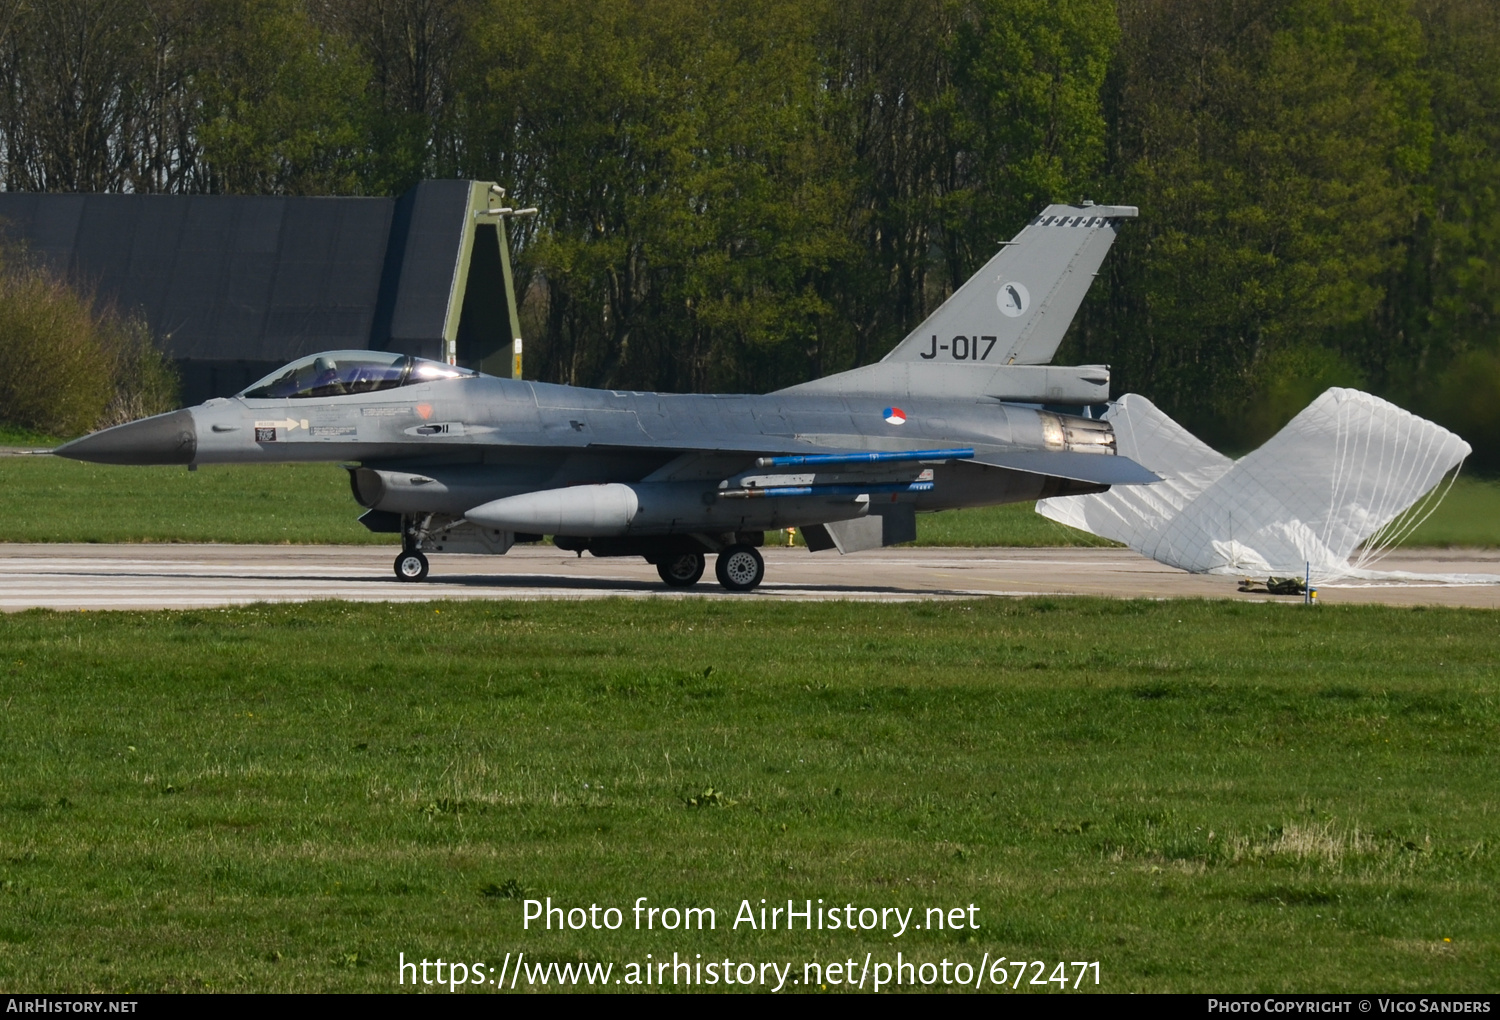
(165, 576)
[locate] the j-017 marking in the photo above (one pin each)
(962, 348)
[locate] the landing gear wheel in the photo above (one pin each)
(740, 568)
(411, 566)
(681, 571)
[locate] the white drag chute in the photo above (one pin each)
(1335, 489)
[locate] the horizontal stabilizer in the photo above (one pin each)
(1100, 469)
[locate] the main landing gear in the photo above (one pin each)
(681, 570)
(740, 568)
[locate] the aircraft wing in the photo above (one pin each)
(717, 462)
(730, 458)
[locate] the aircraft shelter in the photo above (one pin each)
(234, 286)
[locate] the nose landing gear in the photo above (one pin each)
(411, 565)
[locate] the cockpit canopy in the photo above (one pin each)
(337, 373)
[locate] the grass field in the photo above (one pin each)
(55, 500)
(1199, 796)
(58, 500)
(11, 435)
(1468, 516)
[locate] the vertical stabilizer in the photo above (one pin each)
(1016, 309)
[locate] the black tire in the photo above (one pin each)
(411, 566)
(682, 570)
(740, 568)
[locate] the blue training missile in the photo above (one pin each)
(964, 453)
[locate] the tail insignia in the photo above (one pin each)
(1013, 300)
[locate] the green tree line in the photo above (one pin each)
(739, 196)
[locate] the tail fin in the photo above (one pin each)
(1016, 309)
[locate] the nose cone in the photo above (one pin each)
(168, 438)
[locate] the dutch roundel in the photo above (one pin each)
(894, 416)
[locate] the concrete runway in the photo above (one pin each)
(148, 576)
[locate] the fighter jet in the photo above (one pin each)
(964, 412)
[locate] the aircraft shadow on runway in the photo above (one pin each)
(628, 584)
(503, 582)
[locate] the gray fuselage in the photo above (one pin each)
(447, 446)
